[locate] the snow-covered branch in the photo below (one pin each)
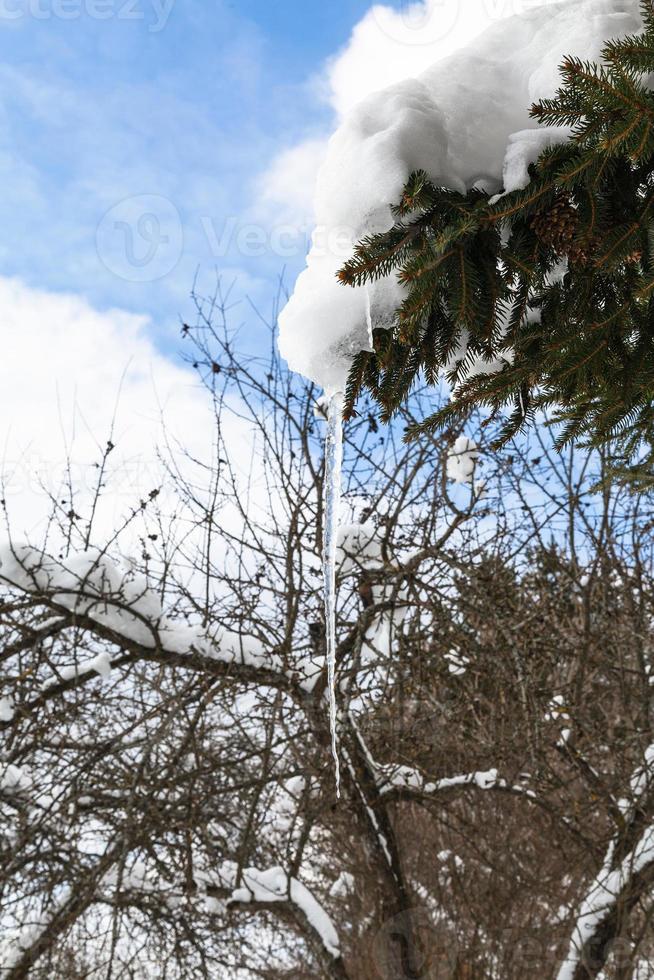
(406, 778)
(92, 592)
(626, 874)
(274, 885)
(179, 691)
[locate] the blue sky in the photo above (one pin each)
(135, 130)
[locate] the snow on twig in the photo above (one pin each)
(91, 584)
(274, 885)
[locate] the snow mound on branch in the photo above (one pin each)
(358, 548)
(462, 460)
(13, 779)
(343, 886)
(466, 122)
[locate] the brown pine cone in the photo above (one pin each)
(557, 226)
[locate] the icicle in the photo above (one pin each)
(333, 465)
(371, 345)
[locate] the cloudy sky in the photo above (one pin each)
(145, 141)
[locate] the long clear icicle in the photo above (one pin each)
(333, 469)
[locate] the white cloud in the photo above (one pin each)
(66, 369)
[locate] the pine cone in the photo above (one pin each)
(557, 226)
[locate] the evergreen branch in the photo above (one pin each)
(580, 333)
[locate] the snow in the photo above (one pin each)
(456, 663)
(404, 777)
(97, 586)
(358, 548)
(100, 665)
(13, 947)
(136, 877)
(465, 120)
(13, 779)
(642, 777)
(558, 712)
(274, 885)
(605, 890)
(284, 808)
(343, 886)
(462, 460)
(372, 816)
(6, 709)
(525, 146)
(90, 583)
(450, 856)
